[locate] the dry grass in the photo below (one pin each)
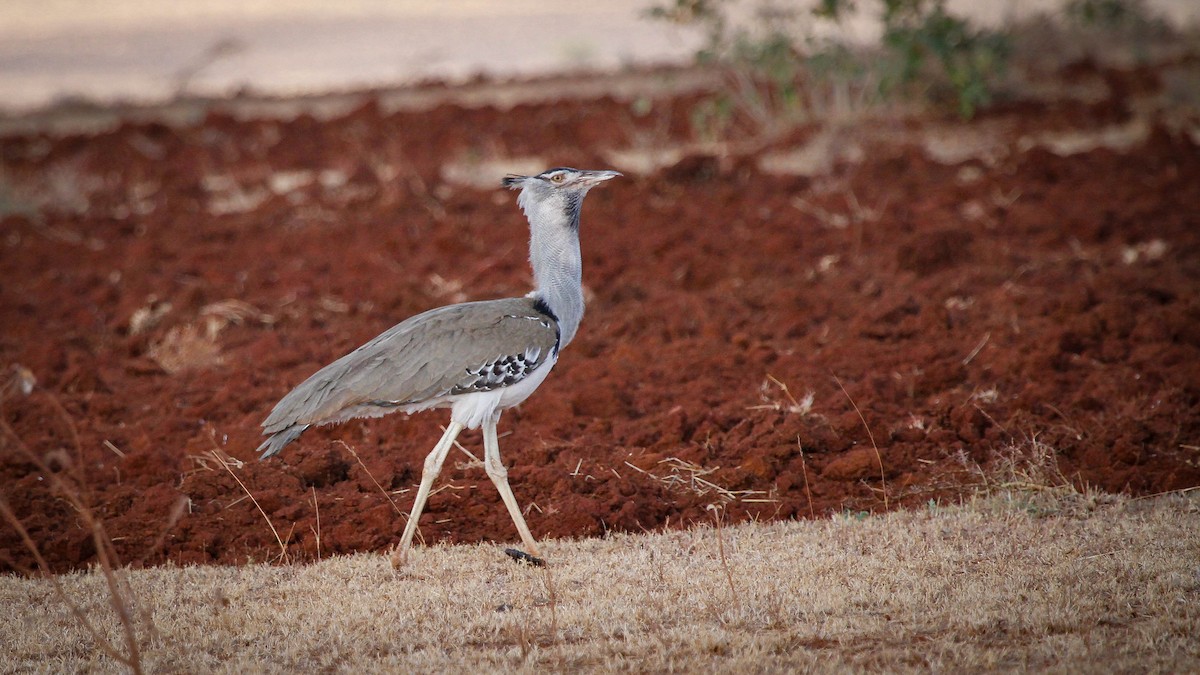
(193, 345)
(981, 587)
(133, 621)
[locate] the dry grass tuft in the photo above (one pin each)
(802, 407)
(1026, 476)
(681, 475)
(185, 348)
(193, 346)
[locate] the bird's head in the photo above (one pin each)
(556, 191)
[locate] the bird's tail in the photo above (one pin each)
(279, 439)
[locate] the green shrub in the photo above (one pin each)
(781, 72)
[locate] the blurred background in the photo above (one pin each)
(141, 50)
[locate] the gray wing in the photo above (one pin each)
(474, 346)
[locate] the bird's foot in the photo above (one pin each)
(520, 556)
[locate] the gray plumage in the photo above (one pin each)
(476, 358)
(418, 363)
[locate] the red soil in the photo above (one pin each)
(983, 306)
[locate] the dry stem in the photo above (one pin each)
(733, 594)
(878, 456)
(220, 456)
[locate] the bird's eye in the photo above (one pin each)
(557, 178)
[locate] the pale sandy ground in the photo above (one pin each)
(140, 50)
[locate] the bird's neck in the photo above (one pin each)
(557, 263)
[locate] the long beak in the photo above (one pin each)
(591, 178)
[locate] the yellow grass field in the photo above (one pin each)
(1075, 583)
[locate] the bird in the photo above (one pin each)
(476, 358)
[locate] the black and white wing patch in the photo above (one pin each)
(503, 371)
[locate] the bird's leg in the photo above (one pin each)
(499, 475)
(433, 466)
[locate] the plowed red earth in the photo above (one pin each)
(174, 282)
